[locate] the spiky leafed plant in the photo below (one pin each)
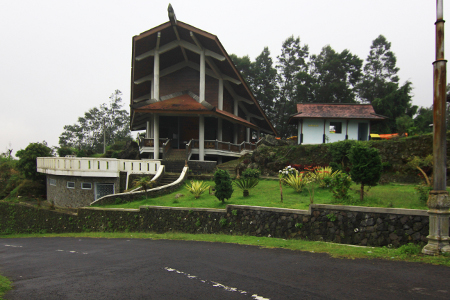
(246, 184)
(296, 181)
(324, 176)
(145, 183)
(197, 188)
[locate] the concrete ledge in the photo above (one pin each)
(380, 210)
(271, 209)
(109, 209)
(214, 210)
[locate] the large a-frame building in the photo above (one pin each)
(188, 96)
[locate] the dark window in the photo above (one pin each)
(86, 185)
(335, 127)
(70, 184)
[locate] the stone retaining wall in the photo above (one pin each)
(332, 223)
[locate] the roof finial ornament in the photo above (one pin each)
(172, 17)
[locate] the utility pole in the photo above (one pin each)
(439, 201)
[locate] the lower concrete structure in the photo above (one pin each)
(74, 191)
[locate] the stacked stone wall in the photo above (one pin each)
(355, 225)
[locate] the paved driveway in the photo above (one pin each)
(83, 268)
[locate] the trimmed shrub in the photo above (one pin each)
(224, 187)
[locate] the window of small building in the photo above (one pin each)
(52, 182)
(70, 184)
(86, 185)
(335, 127)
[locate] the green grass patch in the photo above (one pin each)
(267, 193)
(408, 253)
(5, 285)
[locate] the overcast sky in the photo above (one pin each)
(59, 58)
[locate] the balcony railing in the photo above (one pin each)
(95, 167)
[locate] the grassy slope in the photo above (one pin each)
(267, 193)
(5, 285)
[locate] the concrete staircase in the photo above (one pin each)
(167, 178)
(174, 160)
(229, 166)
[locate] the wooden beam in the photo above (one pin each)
(179, 39)
(198, 46)
(162, 49)
(236, 96)
(164, 72)
(211, 73)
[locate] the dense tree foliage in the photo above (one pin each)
(335, 76)
(27, 159)
(379, 71)
(327, 77)
(87, 133)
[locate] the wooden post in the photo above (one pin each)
(219, 129)
(201, 138)
(156, 136)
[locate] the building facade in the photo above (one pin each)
(327, 123)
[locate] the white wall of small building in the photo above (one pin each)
(313, 130)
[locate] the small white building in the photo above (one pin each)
(328, 123)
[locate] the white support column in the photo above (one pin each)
(236, 107)
(151, 133)
(220, 99)
(202, 76)
(148, 129)
(201, 138)
(156, 76)
(156, 136)
(235, 135)
(152, 92)
(219, 129)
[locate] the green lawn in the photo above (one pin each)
(267, 193)
(5, 285)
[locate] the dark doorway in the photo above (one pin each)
(363, 131)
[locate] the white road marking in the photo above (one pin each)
(13, 246)
(216, 284)
(59, 250)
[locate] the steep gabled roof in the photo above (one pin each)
(180, 44)
(335, 111)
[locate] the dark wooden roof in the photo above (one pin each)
(335, 111)
(146, 41)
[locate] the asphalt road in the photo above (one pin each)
(82, 268)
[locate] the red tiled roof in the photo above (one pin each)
(236, 118)
(179, 103)
(336, 111)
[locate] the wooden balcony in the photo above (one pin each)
(211, 147)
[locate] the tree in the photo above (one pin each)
(379, 71)
(27, 159)
(366, 166)
(396, 103)
(264, 83)
(292, 67)
(335, 76)
(224, 187)
(260, 77)
(87, 134)
(423, 119)
(404, 124)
